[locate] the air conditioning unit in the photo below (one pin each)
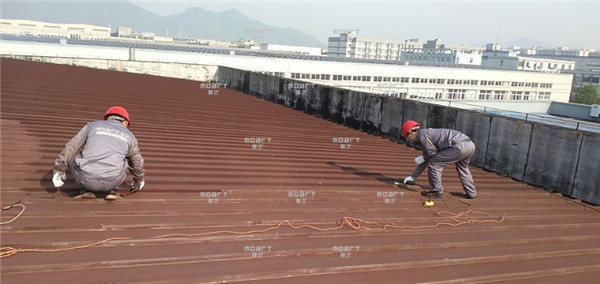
(595, 111)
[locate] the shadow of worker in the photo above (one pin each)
(377, 176)
(70, 188)
(364, 174)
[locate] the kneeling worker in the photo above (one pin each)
(99, 154)
(441, 147)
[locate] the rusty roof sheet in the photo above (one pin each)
(212, 203)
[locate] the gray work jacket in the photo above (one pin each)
(434, 140)
(107, 147)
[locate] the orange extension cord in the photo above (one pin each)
(462, 218)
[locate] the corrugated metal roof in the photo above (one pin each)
(195, 150)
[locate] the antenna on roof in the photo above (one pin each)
(498, 33)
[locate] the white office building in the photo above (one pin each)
(349, 45)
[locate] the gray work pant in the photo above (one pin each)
(95, 184)
(460, 154)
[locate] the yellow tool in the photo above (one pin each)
(429, 203)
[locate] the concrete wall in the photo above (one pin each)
(542, 155)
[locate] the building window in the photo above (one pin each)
(415, 80)
(516, 96)
(485, 95)
(454, 94)
(543, 95)
(499, 95)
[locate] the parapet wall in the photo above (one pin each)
(542, 155)
(165, 69)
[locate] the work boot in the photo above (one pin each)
(432, 194)
(85, 195)
(112, 195)
(471, 196)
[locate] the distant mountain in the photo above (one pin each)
(229, 25)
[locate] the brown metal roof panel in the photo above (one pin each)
(193, 143)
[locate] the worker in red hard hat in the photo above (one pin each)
(99, 155)
(441, 147)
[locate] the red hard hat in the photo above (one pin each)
(118, 111)
(407, 126)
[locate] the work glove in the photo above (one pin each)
(136, 186)
(419, 160)
(58, 179)
(409, 180)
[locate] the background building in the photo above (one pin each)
(511, 60)
(349, 45)
(129, 34)
(36, 28)
(435, 51)
(583, 64)
(303, 50)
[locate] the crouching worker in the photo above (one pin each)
(99, 155)
(441, 147)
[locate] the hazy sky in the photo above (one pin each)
(555, 23)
